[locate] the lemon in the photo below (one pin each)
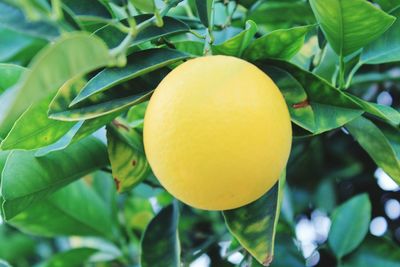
(217, 133)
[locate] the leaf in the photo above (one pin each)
(190, 47)
(270, 12)
(350, 223)
(13, 18)
(87, 10)
(34, 129)
(205, 11)
(79, 52)
(113, 37)
(254, 225)
(13, 43)
(384, 112)
(138, 213)
(128, 163)
(386, 49)
(145, 5)
(350, 25)
(286, 253)
(313, 103)
(109, 103)
(380, 144)
(75, 257)
(283, 44)
(139, 63)
(27, 179)
(237, 44)
(160, 241)
(388, 5)
(10, 75)
(64, 214)
(374, 252)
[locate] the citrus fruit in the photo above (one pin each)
(217, 133)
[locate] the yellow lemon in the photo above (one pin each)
(217, 133)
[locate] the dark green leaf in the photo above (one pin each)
(73, 210)
(113, 37)
(79, 54)
(350, 224)
(350, 25)
(283, 44)
(160, 242)
(386, 48)
(27, 179)
(76, 257)
(254, 225)
(139, 63)
(313, 103)
(374, 252)
(87, 10)
(205, 10)
(388, 5)
(381, 145)
(237, 44)
(286, 253)
(13, 18)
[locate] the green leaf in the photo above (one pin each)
(384, 112)
(254, 225)
(87, 10)
(160, 242)
(125, 151)
(14, 245)
(108, 103)
(282, 13)
(34, 129)
(385, 49)
(10, 75)
(13, 18)
(380, 144)
(13, 43)
(388, 5)
(79, 54)
(286, 253)
(282, 44)
(139, 63)
(350, 25)
(76, 257)
(138, 213)
(237, 44)
(73, 210)
(27, 179)
(374, 252)
(113, 37)
(145, 5)
(350, 224)
(313, 103)
(205, 10)
(190, 47)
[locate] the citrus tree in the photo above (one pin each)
(86, 180)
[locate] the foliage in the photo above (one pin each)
(77, 190)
